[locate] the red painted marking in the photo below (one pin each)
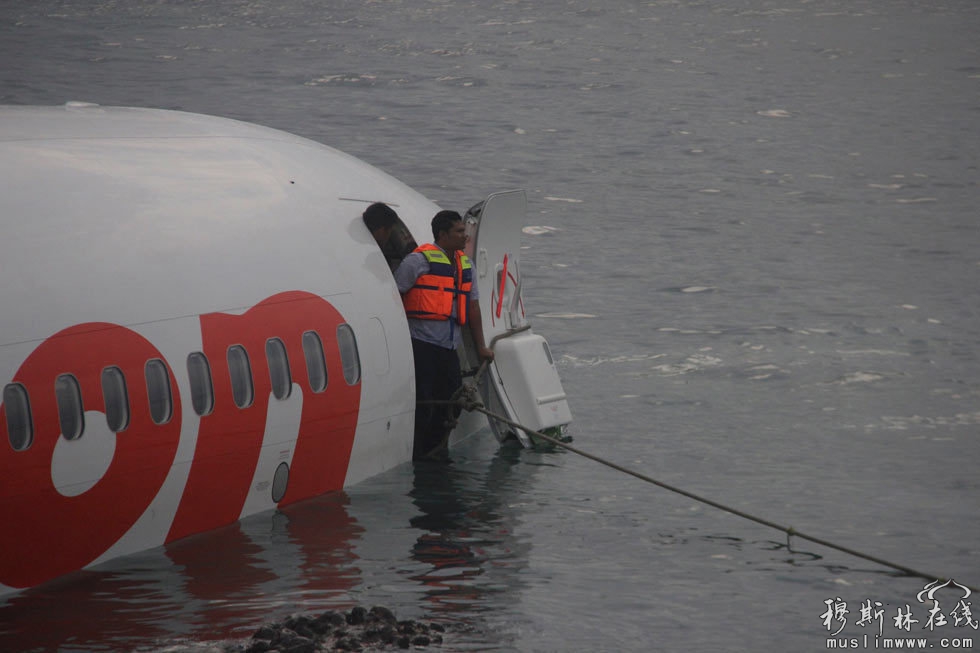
(230, 439)
(46, 534)
(326, 431)
(503, 287)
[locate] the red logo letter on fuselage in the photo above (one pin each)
(45, 533)
(230, 438)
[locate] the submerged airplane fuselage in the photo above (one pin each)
(197, 327)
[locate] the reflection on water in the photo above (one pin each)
(446, 526)
(467, 544)
(216, 585)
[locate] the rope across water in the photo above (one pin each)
(466, 398)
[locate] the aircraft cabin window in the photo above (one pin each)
(116, 399)
(348, 354)
(316, 364)
(20, 426)
(242, 388)
(282, 381)
(202, 389)
(71, 417)
(158, 391)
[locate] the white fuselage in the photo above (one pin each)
(135, 245)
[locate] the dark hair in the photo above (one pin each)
(443, 221)
(379, 215)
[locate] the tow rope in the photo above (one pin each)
(467, 399)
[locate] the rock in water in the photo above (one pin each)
(358, 630)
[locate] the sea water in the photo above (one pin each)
(752, 243)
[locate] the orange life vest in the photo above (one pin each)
(432, 296)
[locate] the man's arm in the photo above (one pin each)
(411, 268)
(475, 320)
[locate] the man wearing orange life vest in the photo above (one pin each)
(440, 295)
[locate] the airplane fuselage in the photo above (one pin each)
(197, 326)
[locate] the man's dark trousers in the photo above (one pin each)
(437, 377)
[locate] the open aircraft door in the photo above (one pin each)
(522, 383)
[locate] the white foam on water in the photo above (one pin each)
(537, 230)
(859, 377)
(564, 199)
(917, 200)
(566, 316)
(693, 289)
(764, 371)
(593, 361)
(345, 78)
(904, 423)
(775, 113)
(871, 352)
(811, 331)
(692, 363)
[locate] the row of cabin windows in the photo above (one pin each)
(68, 395)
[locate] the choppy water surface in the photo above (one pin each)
(753, 245)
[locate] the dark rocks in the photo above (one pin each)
(328, 621)
(265, 632)
(379, 613)
(259, 646)
(358, 630)
(357, 616)
(300, 645)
